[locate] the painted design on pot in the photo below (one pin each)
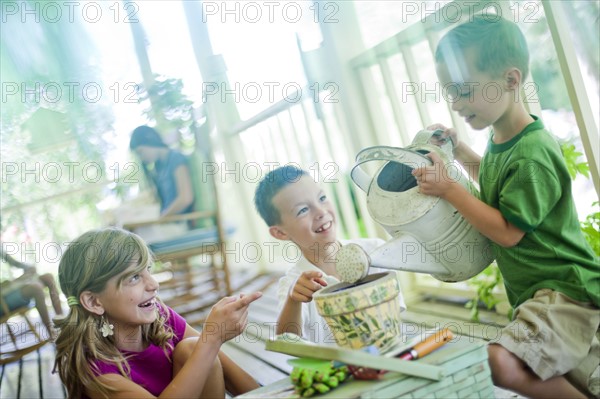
(363, 314)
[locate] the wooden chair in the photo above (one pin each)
(177, 252)
(17, 325)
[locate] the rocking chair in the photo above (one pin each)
(18, 326)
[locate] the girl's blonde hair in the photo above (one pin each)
(87, 265)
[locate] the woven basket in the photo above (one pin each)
(365, 314)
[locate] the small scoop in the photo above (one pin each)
(352, 263)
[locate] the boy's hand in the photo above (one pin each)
(228, 317)
(306, 285)
(447, 134)
(434, 179)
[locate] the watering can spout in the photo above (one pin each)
(406, 253)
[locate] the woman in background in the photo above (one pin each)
(167, 169)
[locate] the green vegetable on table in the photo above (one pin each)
(309, 382)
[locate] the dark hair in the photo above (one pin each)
(269, 186)
(145, 135)
(499, 44)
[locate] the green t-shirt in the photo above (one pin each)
(526, 179)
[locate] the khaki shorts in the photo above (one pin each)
(555, 335)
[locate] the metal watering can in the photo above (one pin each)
(428, 234)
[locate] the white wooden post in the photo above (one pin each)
(223, 114)
(573, 78)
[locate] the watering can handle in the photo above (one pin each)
(383, 153)
(424, 136)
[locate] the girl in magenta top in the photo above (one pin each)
(120, 341)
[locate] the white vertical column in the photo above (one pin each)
(573, 78)
(223, 114)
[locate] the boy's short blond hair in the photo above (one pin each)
(498, 43)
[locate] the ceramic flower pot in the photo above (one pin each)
(363, 314)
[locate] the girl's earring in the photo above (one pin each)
(106, 328)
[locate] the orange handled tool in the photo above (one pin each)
(428, 345)
(421, 349)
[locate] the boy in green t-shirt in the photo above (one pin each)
(526, 209)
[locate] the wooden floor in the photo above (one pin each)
(32, 377)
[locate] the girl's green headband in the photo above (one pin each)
(72, 301)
